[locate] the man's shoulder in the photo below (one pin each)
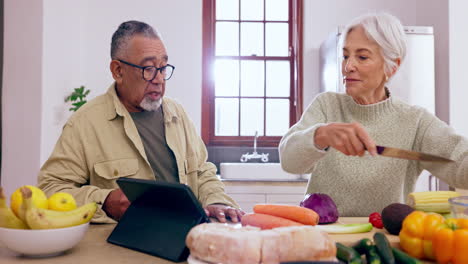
(96, 108)
(172, 102)
(173, 106)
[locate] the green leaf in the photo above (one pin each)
(79, 104)
(77, 97)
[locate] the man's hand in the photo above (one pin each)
(221, 211)
(116, 204)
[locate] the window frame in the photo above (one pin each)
(208, 94)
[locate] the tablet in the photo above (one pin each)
(159, 218)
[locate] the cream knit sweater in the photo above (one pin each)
(361, 185)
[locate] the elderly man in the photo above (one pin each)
(133, 131)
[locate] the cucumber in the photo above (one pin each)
(372, 256)
(367, 247)
(363, 245)
(403, 258)
(347, 254)
(383, 248)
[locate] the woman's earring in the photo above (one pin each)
(386, 78)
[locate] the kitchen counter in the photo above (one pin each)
(94, 248)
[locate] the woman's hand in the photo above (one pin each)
(348, 138)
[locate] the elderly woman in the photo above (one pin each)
(336, 138)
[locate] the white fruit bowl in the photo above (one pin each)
(42, 243)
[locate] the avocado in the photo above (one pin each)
(393, 216)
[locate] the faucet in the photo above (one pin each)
(247, 156)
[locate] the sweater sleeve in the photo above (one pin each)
(437, 138)
(297, 150)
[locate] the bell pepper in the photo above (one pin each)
(450, 242)
(417, 232)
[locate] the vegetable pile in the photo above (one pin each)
(378, 251)
(431, 236)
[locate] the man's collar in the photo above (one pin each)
(115, 107)
(118, 109)
(169, 110)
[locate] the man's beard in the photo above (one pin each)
(149, 105)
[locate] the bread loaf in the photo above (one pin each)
(227, 244)
(218, 243)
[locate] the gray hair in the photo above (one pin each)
(387, 31)
(127, 30)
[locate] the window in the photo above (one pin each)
(251, 70)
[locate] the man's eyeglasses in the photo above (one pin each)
(150, 72)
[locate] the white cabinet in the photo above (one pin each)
(249, 193)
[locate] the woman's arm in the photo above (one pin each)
(436, 137)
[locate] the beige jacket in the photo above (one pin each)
(100, 143)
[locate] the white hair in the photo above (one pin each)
(387, 31)
(150, 105)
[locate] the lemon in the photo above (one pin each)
(39, 199)
(62, 201)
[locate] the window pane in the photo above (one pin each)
(226, 117)
(277, 117)
(252, 9)
(277, 39)
(251, 39)
(277, 10)
(252, 78)
(227, 39)
(226, 75)
(227, 9)
(278, 78)
(251, 117)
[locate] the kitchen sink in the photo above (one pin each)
(256, 171)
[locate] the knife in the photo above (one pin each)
(408, 154)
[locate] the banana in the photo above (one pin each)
(38, 218)
(22, 212)
(7, 218)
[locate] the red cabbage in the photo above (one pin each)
(323, 205)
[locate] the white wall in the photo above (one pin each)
(63, 65)
(323, 17)
(21, 92)
(458, 23)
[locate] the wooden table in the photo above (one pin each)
(94, 248)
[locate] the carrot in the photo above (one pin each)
(295, 213)
(265, 221)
